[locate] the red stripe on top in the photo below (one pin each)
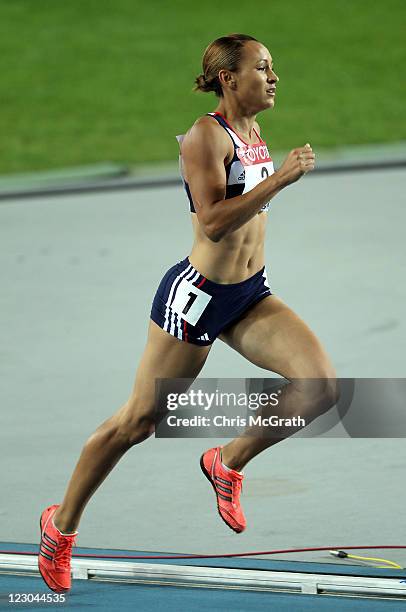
(235, 132)
(258, 135)
(201, 282)
(184, 330)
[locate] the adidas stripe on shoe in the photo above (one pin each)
(227, 485)
(55, 553)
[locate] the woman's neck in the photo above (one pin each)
(243, 124)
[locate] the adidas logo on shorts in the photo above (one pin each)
(204, 337)
(241, 178)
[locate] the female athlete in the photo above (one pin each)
(219, 291)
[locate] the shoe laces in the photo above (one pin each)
(63, 553)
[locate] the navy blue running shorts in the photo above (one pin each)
(194, 309)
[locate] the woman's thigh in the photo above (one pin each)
(273, 337)
(165, 357)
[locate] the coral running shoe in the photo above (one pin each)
(55, 553)
(227, 485)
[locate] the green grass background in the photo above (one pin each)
(86, 81)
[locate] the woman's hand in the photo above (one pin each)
(298, 162)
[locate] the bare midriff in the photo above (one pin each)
(233, 259)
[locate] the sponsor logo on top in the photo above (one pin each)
(253, 154)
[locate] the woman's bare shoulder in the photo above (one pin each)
(207, 133)
(207, 126)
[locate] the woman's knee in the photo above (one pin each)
(328, 393)
(319, 393)
(135, 422)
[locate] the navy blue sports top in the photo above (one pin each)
(250, 165)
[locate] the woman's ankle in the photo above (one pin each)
(62, 524)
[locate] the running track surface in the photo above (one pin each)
(78, 277)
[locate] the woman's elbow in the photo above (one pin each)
(211, 227)
(213, 233)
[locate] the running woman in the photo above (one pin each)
(219, 291)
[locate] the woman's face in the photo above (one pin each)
(254, 83)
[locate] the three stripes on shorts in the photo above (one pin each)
(172, 322)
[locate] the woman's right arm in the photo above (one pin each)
(205, 149)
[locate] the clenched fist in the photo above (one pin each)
(298, 162)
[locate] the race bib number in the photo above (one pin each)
(190, 302)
